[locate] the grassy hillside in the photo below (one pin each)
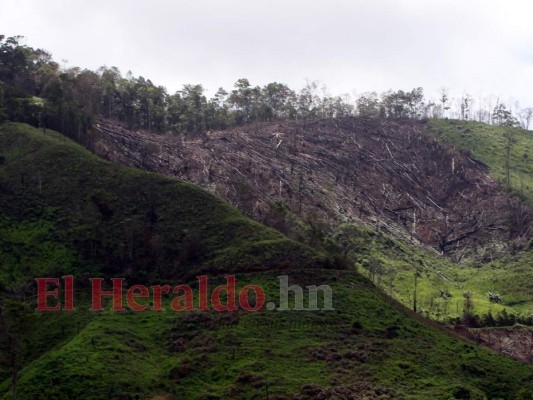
(83, 215)
(487, 144)
(511, 275)
(63, 210)
(392, 265)
(367, 347)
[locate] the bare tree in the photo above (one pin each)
(468, 307)
(444, 100)
(509, 140)
(465, 106)
(525, 116)
(418, 274)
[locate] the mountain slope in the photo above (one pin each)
(488, 144)
(115, 219)
(65, 211)
(308, 178)
(388, 174)
(368, 347)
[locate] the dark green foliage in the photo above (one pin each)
(78, 212)
(34, 89)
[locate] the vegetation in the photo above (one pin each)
(36, 90)
(65, 211)
(369, 345)
(500, 290)
(366, 346)
(117, 220)
(507, 151)
(437, 285)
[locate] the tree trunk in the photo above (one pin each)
(416, 288)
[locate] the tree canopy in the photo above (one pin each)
(37, 90)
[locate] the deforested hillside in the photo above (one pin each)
(65, 211)
(388, 174)
(312, 180)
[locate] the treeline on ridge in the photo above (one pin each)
(35, 89)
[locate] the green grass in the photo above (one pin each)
(510, 276)
(367, 346)
(63, 210)
(66, 211)
(487, 144)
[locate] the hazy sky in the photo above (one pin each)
(480, 46)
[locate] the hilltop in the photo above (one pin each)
(488, 143)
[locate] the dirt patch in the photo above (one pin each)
(516, 342)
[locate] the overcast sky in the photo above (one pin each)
(484, 47)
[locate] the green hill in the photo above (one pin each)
(86, 215)
(65, 211)
(488, 144)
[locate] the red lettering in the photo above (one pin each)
(42, 294)
(230, 290)
(202, 288)
(184, 302)
(69, 293)
(142, 292)
(259, 298)
(98, 293)
(158, 290)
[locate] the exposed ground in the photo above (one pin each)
(392, 175)
(516, 342)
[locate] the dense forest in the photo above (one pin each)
(35, 89)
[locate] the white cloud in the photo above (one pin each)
(477, 45)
